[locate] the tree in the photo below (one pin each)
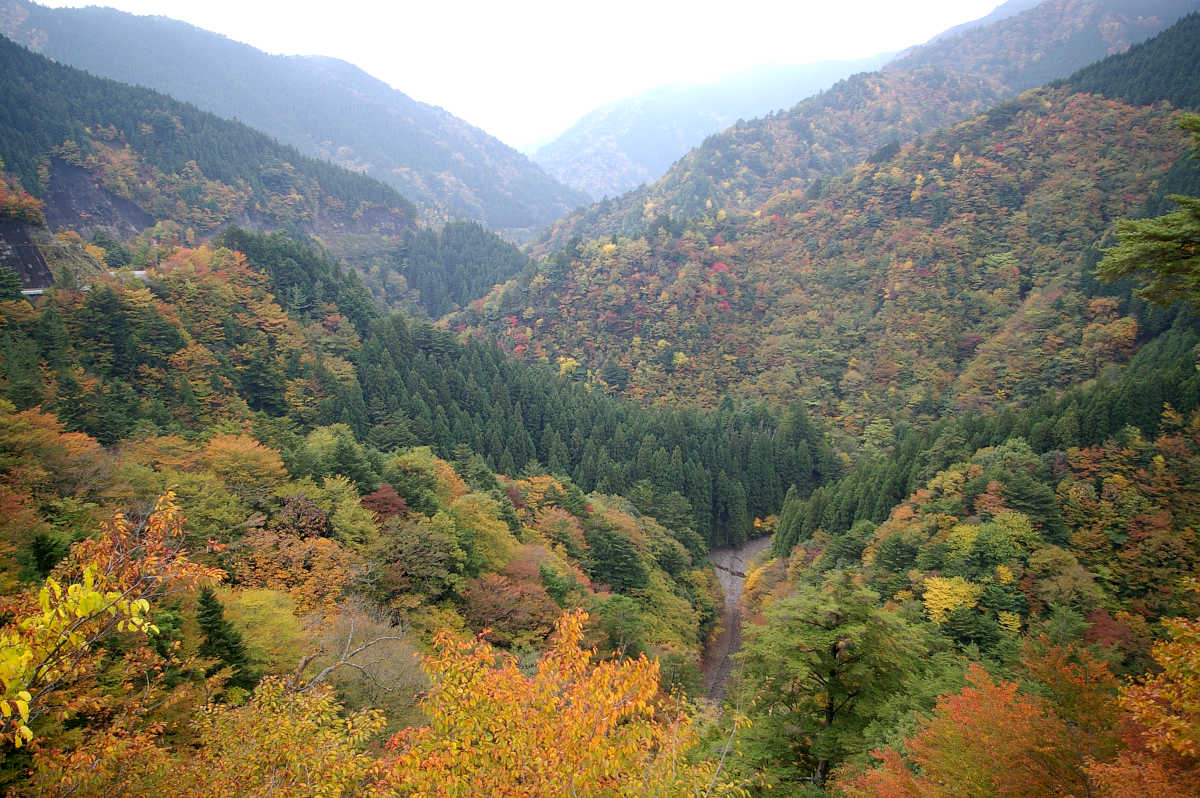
(52, 642)
(614, 558)
(569, 728)
(1167, 704)
(1165, 249)
(993, 739)
(10, 283)
(221, 641)
(815, 672)
(251, 470)
(281, 742)
(986, 740)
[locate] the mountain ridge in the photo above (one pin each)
(325, 107)
(927, 279)
(623, 144)
(928, 88)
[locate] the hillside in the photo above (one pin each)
(942, 277)
(75, 140)
(261, 534)
(256, 476)
(1048, 41)
(944, 82)
(324, 107)
(633, 141)
(90, 155)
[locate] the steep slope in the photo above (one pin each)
(168, 160)
(943, 278)
(1048, 41)
(621, 145)
(1159, 69)
(101, 156)
(324, 107)
(947, 81)
(260, 329)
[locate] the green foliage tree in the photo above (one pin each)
(10, 283)
(1164, 251)
(815, 674)
(614, 559)
(221, 642)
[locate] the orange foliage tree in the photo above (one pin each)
(50, 650)
(570, 728)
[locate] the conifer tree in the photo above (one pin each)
(222, 642)
(10, 283)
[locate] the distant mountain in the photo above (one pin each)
(633, 141)
(104, 155)
(946, 81)
(949, 274)
(93, 156)
(324, 107)
(1046, 42)
(1159, 69)
(1000, 12)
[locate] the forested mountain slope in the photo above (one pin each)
(173, 161)
(260, 536)
(1048, 41)
(934, 86)
(324, 107)
(245, 517)
(1026, 565)
(944, 276)
(91, 155)
(633, 141)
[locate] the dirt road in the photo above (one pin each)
(731, 564)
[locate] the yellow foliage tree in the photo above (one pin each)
(52, 643)
(251, 470)
(571, 728)
(943, 596)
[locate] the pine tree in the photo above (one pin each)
(222, 642)
(10, 283)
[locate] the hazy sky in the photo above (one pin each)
(524, 70)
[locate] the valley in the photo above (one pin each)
(853, 452)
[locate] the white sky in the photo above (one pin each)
(524, 70)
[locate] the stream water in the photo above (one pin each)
(731, 563)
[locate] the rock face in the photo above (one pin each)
(76, 201)
(18, 252)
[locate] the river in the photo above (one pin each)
(731, 563)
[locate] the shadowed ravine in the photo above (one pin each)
(730, 564)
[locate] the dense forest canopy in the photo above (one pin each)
(949, 80)
(262, 534)
(324, 107)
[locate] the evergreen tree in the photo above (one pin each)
(1166, 249)
(222, 642)
(10, 283)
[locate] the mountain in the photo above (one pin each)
(1048, 41)
(125, 156)
(105, 155)
(90, 155)
(262, 536)
(622, 145)
(324, 107)
(945, 276)
(941, 83)
(1000, 12)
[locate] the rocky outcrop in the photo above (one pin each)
(18, 252)
(76, 201)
